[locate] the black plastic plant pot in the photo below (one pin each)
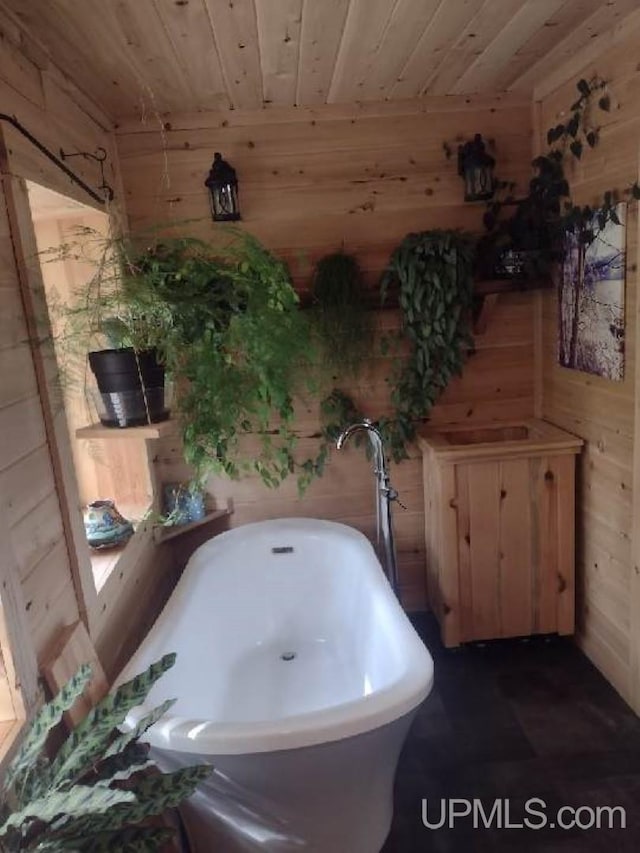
(131, 387)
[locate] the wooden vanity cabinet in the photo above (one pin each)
(500, 529)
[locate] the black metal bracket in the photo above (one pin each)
(100, 158)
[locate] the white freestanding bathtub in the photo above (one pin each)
(297, 677)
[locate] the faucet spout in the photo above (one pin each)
(364, 424)
(385, 494)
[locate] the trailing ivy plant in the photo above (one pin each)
(337, 410)
(578, 134)
(430, 274)
(340, 313)
(539, 223)
(97, 792)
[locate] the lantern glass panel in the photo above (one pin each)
(478, 183)
(224, 202)
(475, 166)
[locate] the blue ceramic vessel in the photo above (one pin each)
(182, 504)
(104, 526)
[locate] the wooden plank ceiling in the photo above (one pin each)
(136, 57)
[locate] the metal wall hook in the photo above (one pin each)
(99, 156)
(108, 193)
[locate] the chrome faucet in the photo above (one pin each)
(385, 494)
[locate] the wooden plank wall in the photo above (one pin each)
(208, 54)
(37, 94)
(40, 100)
(600, 411)
(360, 176)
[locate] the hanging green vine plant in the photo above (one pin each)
(432, 272)
(225, 324)
(534, 233)
(340, 315)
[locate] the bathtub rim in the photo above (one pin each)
(325, 725)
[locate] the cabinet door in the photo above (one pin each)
(479, 567)
(516, 547)
(496, 572)
(516, 576)
(554, 544)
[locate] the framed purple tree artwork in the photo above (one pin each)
(591, 301)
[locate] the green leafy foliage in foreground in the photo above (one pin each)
(226, 323)
(97, 792)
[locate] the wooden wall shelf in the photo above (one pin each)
(148, 431)
(487, 287)
(165, 534)
(481, 288)
(487, 291)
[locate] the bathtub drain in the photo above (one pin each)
(287, 656)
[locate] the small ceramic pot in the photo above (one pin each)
(104, 526)
(182, 504)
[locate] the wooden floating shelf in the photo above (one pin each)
(487, 292)
(481, 288)
(164, 534)
(488, 287)
(147, 431)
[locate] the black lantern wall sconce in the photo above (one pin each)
(222, 184)
(475, 165)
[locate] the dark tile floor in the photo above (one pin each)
(514, 720)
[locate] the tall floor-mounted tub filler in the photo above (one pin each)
(297, 676)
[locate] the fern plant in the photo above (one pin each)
(98, 791)
(225, 323)
(340, 314)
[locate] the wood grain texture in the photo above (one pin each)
(588, 36)
(319, 43)
(481, 74)
(501, 561)
(37, 528)
(481, 30)
(188, 28)
(36, 560)
(146, 58)
(516, 572)
(72, 649)
(603, 413)
(279, 28)
(558, 27)
(235, 32)
(19, 689)
(401, 34)
(364, 32)
(484, 549)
